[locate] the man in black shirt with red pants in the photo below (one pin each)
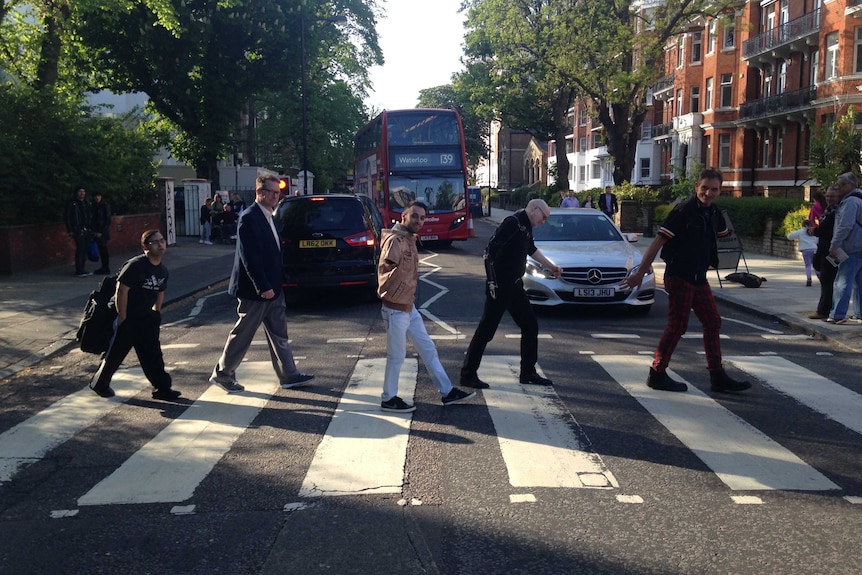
(687, 240)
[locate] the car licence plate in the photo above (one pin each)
(428, 238)
(594, 292)
(317, 243)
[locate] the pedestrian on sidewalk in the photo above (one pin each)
(101, 226)
(846, 247)
(78, 225)
(206, 222)
(807, 244)
(397, 277)
(256, 283)
(818, 208)
(828, 271)
(505, 264)
(688, 245)
(141, 287)
(608, 203)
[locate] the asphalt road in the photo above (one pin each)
(662, 483)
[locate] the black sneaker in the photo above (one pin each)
(457, 396)
(103, 391)
(397, 404)
(297, 380)
(663, 382)
(166, 394)
(722, 382)
(534, 379)
(474, 382)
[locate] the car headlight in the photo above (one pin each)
(634, 270)
(535, 269)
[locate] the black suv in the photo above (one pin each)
(329, 241)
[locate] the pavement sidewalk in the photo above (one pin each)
(40, 310)
(783, 297)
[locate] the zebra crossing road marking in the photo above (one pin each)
(364, 449)
(538, 437)
(169, 467)
(741, 456)
(31, 439)
(807, 387)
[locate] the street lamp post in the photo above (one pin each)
(303, 87)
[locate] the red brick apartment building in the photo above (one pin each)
(740, 93)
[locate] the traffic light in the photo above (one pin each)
(284, 185)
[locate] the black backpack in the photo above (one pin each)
(97, 324)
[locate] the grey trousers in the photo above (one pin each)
(270, 313)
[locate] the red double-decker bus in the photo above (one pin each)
(406, 155)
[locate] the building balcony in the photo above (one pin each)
(663, 89)
(783, 40)
(792, 106)
(662, 131)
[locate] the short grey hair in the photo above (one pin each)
(850, 178)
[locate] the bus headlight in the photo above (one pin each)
(457, 222)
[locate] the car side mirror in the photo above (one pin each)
(632, 238)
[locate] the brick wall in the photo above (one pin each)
(24, 248)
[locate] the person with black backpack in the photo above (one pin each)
(140, 293)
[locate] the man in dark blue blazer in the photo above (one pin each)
(256, 283)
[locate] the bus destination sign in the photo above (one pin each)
(421, 160)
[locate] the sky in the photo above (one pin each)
(421, 42)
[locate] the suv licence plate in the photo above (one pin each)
(428, 238)
(594, 292)
(317, 243)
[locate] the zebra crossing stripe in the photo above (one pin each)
(807, 387)
(169, 467)
(31, 439)
(741, 456)
(541, 443)
(364, 449)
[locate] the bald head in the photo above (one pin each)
(538, 211)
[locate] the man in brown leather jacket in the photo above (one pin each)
(397, 276)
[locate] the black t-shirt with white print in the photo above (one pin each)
(144, 281)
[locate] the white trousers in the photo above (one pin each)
(401, 325)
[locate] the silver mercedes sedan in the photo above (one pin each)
(595, 258)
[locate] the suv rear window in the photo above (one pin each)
(326, 215)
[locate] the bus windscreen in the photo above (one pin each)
(439, 192)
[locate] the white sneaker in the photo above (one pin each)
(208, 243)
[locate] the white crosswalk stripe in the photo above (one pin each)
(805, 386)
(30, 440)
(170, 466)
(739, 454)
(364, 449)
(536, 432)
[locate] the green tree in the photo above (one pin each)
(540, 55)
(835, 149)
(40, 167)
(515, 62)
(203, 75)
(475, 129)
